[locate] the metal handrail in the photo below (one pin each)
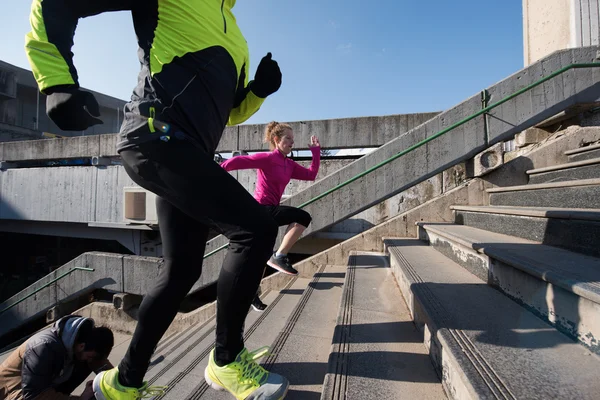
(45, 286)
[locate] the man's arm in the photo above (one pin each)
(250, 96)
(48, 45)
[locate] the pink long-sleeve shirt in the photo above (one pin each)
(274, 172)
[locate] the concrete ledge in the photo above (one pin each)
(550, 185)
(564, 166)
(582, 149)
(126, 301)
(333, 133)
(531, 136)
(547, 263)
(457, 249)
(541, 212)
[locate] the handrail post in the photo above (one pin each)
(485, 98)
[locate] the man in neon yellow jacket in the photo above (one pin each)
(193, 82)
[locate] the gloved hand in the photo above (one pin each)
(267, 79)
(71, 108)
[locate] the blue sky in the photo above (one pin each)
(338, 58)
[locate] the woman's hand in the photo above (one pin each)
(314, 142)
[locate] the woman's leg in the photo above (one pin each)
(298, 220)
(291, 237)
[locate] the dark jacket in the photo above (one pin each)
(185, 47)
(41, 363)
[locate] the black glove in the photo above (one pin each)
(267, 79)
(72, 109)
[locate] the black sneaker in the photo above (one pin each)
(282, 264)
(258, 305)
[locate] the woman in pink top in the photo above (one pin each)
(275, 170)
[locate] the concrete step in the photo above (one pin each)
(305, 335)
(184, 374)
(584, 153)
(585, 169)
(573, 194)
(484, 345)
(523, 269)
(300, 350)
(570, 228)
(376, 351)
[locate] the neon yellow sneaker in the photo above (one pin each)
(107, 387)
(245, 379)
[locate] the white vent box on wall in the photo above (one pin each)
(139, 206)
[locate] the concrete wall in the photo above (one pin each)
(21, 105)
(92, 194)
(333, 133)
(25, 113)
(551, 25)
(64, 194)
(112, 272)
(336, 133)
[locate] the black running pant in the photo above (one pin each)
(194, 194)
(285, 215)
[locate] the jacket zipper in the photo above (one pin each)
(223, 14)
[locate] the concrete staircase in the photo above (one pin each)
(500, 304)
(344, 333)
(508, 296)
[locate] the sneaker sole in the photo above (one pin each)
(218, 387)
(278, 268)
(96, 387)
(210, 382)
(257, 309)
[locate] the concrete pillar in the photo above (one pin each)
(552, 25)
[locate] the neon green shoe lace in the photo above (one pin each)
(151, 391)
(251, 373)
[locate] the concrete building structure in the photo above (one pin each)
(23, 109)
(551, 25)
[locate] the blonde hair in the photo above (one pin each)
(274, 130)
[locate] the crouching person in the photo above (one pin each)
(54, 362)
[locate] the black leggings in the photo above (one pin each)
(285, 215)
(195, 194)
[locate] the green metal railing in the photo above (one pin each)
(440, 133)
(46, 285)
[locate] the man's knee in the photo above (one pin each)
(269, 230)
(261, 234)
